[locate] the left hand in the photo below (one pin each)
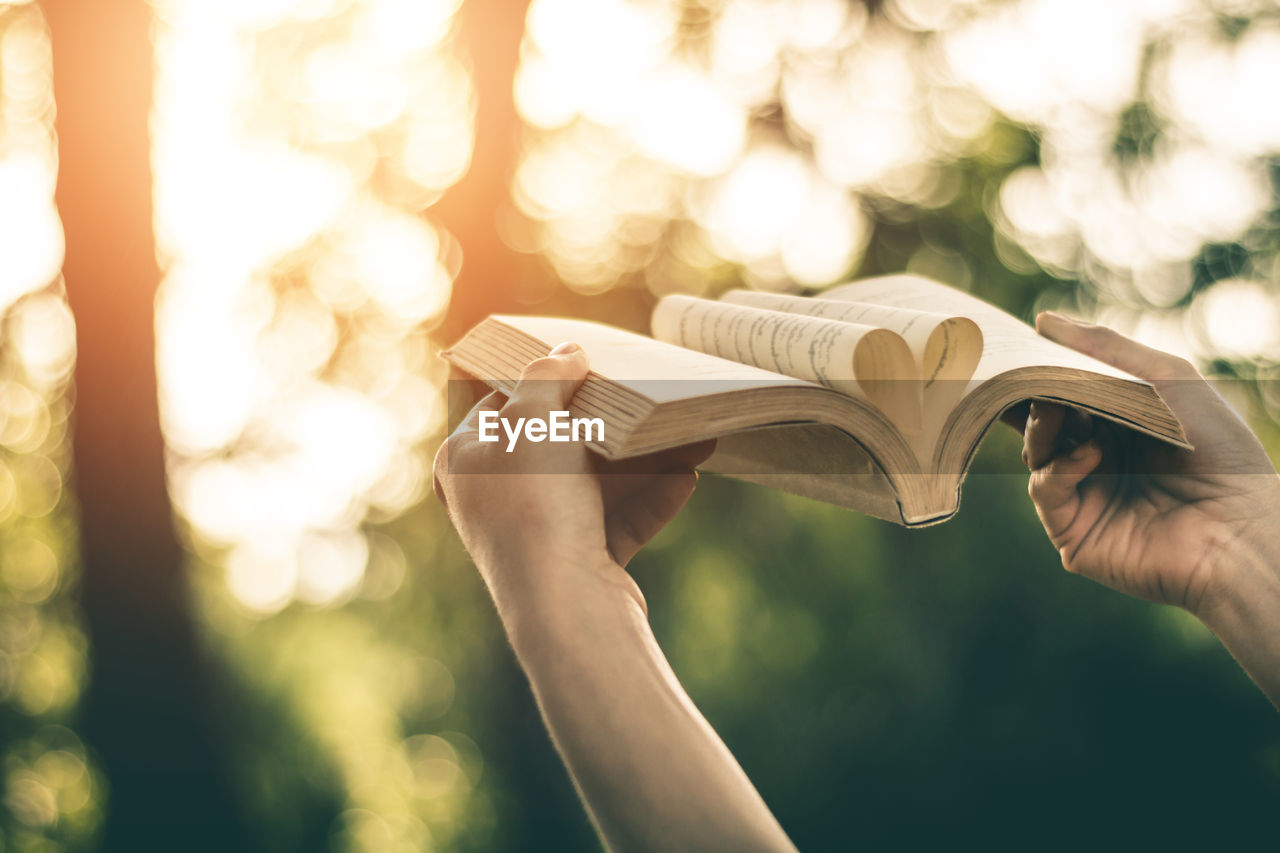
(547, 517)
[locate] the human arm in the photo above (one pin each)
(1196, 529)
(551, 531)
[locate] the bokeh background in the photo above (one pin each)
(238, 621)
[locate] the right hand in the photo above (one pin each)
(1168, 525)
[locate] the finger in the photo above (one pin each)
(465, 432)
(684, 457)
(442, 465)
(1077, 427)
(439, 469)
(548, 383)
(624, 477)
(692, 455)
(462, 394)
(1114, 348)
(491, 402)
(1041, 437)
(1054, 488)
(1016, 416)
(646, 512)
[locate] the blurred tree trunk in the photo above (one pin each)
(542, 811)
(148, 708)
(493, 275)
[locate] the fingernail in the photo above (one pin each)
(566, 348)
(1059, 318)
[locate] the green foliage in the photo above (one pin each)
(51, 792)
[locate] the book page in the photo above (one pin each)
(1008, 342)
(944, 346)
(855, 359)
(661, 371)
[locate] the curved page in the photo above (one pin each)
(858, 360)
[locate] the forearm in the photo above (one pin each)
(1245, 615)
(652, 771)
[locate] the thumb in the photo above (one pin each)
(548, 383)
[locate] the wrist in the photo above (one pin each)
(1242, 554)
(550, 600)
(1243, 613)
(1245, 584)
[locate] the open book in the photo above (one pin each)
(873, 396)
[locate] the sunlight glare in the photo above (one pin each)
(437, 149)
(404, 28)
(1240, 318)
(295, 144)
(394, 258)
(683, 120)
(773, 207)
(350, 91)
(596, 52)
(44, 333)
(1036, 58)
(330, 565)
(30, 232)
(263, 579)
(1225, 92)
(205, 401)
